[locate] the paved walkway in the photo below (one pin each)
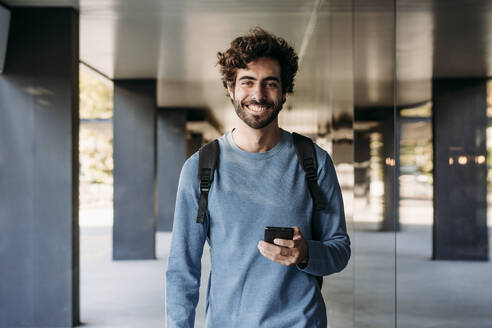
(430, 294)
(131, 293)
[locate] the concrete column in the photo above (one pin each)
(171, 126)
(39, 253)
(134, 124)
(391, 171)
(460, 169)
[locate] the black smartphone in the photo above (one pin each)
(278, 232)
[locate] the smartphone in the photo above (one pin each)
(278, 232)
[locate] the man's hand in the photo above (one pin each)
(286, 252)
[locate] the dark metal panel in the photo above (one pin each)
(460, 177)
(38, 168)
(134, 169)
(171, 142)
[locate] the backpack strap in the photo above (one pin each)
(306, 154)
(207, 162)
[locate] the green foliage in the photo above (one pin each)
(95, 137)
(96, 95)
(96, 156)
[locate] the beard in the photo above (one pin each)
(261, 120)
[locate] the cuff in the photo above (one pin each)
(302, 266)
(310, 266)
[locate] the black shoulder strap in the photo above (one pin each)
(207, 162)
(307, 157)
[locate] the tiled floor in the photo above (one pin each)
(429, 293)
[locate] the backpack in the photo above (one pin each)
(304, 147)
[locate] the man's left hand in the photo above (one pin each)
(286, 252)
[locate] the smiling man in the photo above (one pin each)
(259, 93)
(258, 181)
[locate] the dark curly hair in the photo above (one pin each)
(257, 44)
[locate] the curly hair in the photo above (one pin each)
(257, 44)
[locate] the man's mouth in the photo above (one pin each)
(257, 108)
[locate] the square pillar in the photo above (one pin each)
(460, 169)
(134, 124)
(39, 252)
(171, 126)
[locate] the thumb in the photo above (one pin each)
(297, 233)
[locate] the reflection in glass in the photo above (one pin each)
(444, 273)
(375, 164)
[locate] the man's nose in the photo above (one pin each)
(259, 93)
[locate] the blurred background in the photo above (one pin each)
(102, 101)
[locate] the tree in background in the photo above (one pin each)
(95, 140)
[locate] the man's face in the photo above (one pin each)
(257, 95)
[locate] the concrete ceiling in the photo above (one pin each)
(176, 41)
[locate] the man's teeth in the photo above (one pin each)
(256, 108)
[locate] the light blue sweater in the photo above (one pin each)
(251, 191)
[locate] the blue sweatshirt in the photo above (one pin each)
(251, 191)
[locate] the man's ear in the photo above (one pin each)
(284, 98)
(230, 90)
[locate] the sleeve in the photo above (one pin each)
(184, 262)
(329, 251)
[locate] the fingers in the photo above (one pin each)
(284, 251)
(274, 249)
(284, 242)
(282, 255)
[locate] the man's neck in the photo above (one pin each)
(257, 140)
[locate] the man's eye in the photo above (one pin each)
(247, 83)
(272, 85)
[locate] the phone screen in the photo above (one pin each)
(278, 232)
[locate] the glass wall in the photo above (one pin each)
(422, 131)
(397, 93)
(443, 271)
(375, 165)
(334, 101)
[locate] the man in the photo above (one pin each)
(258, 182)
